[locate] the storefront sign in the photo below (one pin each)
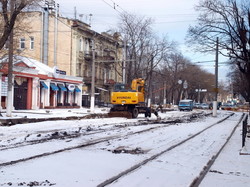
(57, 72)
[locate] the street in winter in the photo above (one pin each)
(126, 93)
(177, 149)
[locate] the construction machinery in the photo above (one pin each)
(129, 101)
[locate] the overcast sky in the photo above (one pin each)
(172, 18)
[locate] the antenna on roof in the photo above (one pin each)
(75, 12)
(90, 18)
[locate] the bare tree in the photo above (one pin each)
(145, 50)
(175, 70)
(238, 82)
(8, 20)
(229, 20)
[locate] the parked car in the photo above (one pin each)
(204, 106)
(197, 105)
(218, 105)
(228, 106)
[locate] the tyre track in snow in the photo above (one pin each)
(155, 156)
(144, 123)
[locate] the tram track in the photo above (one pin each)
(145, 123)
(90, 143)
(62, 134)
(197, 180)
(158, 144)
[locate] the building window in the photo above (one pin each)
(22, 43)
(31, 42)
(81, 44)
(87, 46)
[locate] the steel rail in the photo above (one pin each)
(136, 166)
(196, 182)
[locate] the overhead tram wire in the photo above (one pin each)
(113, 7)
(119, 6)
(202, 63)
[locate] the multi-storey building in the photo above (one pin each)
(106, 50)
(70, 46)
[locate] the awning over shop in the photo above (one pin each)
(102, 89)
(62, 87)
(44, 85)
(77, 89)
(54, 87)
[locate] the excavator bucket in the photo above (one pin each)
(124, 114)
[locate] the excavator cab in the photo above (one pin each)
(121, 88)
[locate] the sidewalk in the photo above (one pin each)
(28, 116)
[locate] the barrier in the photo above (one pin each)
(244, 130)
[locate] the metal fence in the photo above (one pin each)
(244, 130)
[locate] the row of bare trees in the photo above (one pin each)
(160, 63)
(229, 20)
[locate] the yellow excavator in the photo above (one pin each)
(129, 101)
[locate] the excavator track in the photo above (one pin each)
(124, 114)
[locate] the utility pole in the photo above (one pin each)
(150, 81)
(10, 68)
(216, 78)
(92, 100)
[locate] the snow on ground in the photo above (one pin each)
(92, 165)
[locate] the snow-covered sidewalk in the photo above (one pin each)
(51, 113)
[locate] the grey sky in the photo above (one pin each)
(172, 18)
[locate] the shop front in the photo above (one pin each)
(37, 86)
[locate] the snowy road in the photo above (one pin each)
(123, 148)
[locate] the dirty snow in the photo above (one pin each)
(91, 166)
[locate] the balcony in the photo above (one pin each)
(106, 59)
(87, 79)
(87, 55)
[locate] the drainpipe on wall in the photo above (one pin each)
(55, 34)
(45, 35)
